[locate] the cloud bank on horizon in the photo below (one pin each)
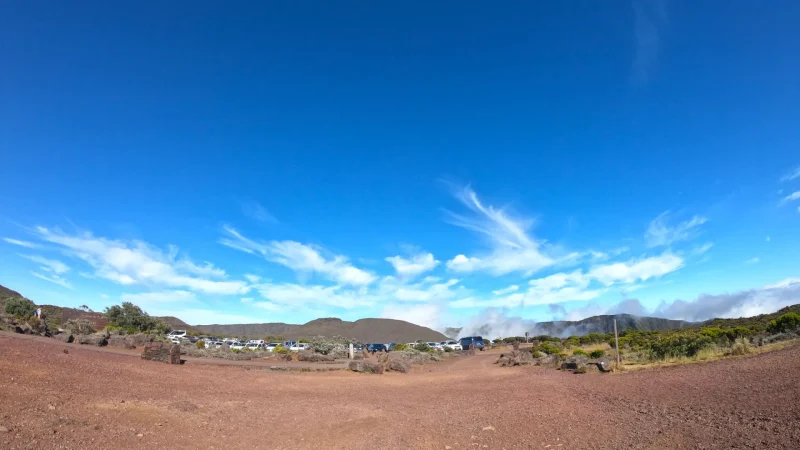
(502, 284)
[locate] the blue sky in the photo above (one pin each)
(446, 163)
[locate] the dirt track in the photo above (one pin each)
(91, 399)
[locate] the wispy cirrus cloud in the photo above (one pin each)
(513, 248)
(55, 279)
(791, 175)
(137, 262)
(650, 20)
(49, 265)
(256, 211)
(791, 197)
(21, 243)
(661, 232)
(299, 257)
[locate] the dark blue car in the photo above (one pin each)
(477, 341)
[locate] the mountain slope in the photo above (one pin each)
(364, 330)
(605, 324)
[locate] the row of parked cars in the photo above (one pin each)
(181, 337)
(463, 343)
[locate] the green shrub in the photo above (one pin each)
(20, 307)
(596, 354)
(578, 352)
(281, 350)
(423, 347)
(786, 322)
(448, 349)
(400, 347)
(679, 345)
(132, 319)
(549, 348)
(200, 344)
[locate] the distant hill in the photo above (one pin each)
(364, 330)
(605, 324)
(595, 324)
(7, 293)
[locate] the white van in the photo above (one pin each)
(176, 334)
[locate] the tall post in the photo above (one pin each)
(616, 342)
(351, 350)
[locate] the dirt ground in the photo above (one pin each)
(104, 399)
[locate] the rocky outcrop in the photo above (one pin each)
(366, 367)
(515, 358)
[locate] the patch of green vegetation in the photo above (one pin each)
(131, 319)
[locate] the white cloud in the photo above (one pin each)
(137, 262)
(246, 299)
(25, 244)
(206, 316)
(423, 315)
(636, 270)
(791, 197)
(300, 258)
(413, 266)
(753, 260)
(206, 270)
(53, 279)
(508, 290)
(269, 306)
(513, 249)
(697, 251)
(49, 265)
(254, 210)
(791, 175)
(252, 278)
(661, 233)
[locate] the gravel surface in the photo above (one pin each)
(85, 399)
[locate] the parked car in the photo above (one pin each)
(237, 346)
(255, 346)
(177, 334)
(299, 346)
(374, 348)
(271, 346)
(435, 346)
(452, 345)
(477, 341)
(255, 341)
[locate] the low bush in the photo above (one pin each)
(281, 350)
(400, 347)
(740, 347)
(549, 348)
(786, 322)
(422, 347)
(78, 326)
(596, 354)
(200, 344)
(579, 351)
(448, 350)
(20, 307)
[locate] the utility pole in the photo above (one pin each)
(351, 350)
(616, 342)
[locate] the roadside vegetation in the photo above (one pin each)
(710, 340)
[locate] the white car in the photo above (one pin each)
(452, 345)
(271, 346)
(253, 346)
(255, 341)
(435, 346)
(237, 346)
(176, 334)
(299, 346)
(175, 340)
